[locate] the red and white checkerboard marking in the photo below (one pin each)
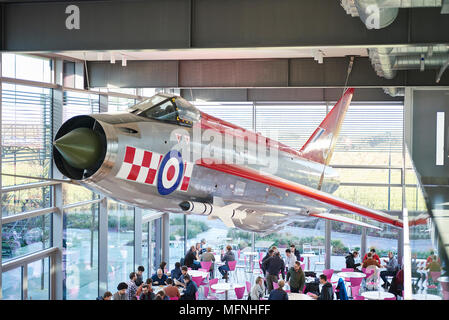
(142, 166)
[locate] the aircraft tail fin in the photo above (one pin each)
(321, 144)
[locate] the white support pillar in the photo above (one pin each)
(103, 247)
(165, 238)
(137, 237)
(327, 242)
(1, 209)
(57, 270)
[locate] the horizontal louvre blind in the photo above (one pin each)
(292, 123)
(76, 103)
(117, 104)
(240, 114)
(372, 128)
(26, 123)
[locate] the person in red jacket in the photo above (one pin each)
(373, 255)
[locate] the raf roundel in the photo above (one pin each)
(170, 173)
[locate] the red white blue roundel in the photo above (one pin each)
(170, 172)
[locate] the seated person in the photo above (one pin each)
(159, 278)
(162, 266)
(373, 255)
(370, 261)
(149, 283)
(327, 292)
(146, 294)
(180, 280)
(106, 296)
(176, 272)
(161, 296)
(191, 289)
(350, 261)
(258, 290)
(228, 256)
(208, 256)
(190, 260)
(392, 268)
(279, 293)
(121, 293)
(171, 290)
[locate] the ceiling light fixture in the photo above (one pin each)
(123, 61)
(112, 57)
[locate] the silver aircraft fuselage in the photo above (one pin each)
(123, 131)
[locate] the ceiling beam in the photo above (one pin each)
(264, 73)
(175, 24)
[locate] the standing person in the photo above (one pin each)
(139, 274)
(208, 256)
(121, 292)
(269, 254)
(373, 255)
(132, 287)
(295, 252)
(159, 278)
(258, 290)
(176, 272)
(296, 278)
(202, 247)
(327, 292)
(392, 267)
(171, 290)
(350, 261)
(146, 293)
(191, 289)
(290, 259)
(279, 293)
(274, 265)
(228, 256)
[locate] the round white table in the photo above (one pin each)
(299, 296)
(197, 273)
(377, 295)
(351, 274)
(225, 286)
(308, 255)
(424, 296)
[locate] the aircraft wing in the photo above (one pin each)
(323, 197)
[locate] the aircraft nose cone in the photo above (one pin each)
(81, 147)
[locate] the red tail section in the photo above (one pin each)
(320, 146)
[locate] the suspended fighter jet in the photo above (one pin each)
(165, 154)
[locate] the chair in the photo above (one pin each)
(206, 265)
(328, 273)
(355, 286)
(196, 295)
(197, 280)
(174, 298)
(207, 296)
(301, 259)
(359, 298)
(303, 266)
(248, 287)
(239, 292)
(434, 275)
(232, 265)
(260, 255)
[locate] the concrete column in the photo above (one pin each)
(327, 241)
(1, 209)
(158, 243)
(363, 243)
(185, 234)
(57, 274)
(165, 238)
(137, 237)
(103, 247)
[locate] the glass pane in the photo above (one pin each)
(384, 176)
(74, 194)
(120, 243)
(239, 113)
(25, 236)
(39, 280)
(26, 67)
(12, 284)
(25, 200)
(146, 249)
(26, 132)
(176, 239)
(381, 198)
(345, 238)
(81, 252)
(78, 103)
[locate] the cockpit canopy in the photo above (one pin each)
(168, 108)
